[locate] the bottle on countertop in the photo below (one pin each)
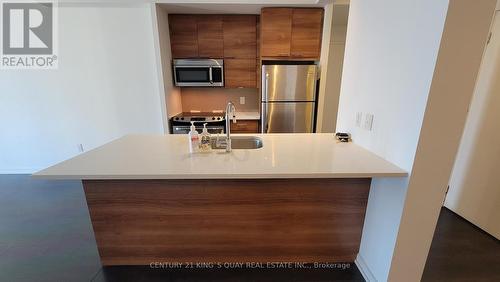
(194, 139)
(205, 140)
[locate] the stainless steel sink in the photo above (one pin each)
(238, 142)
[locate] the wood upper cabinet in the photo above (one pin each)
(196, 36)
(291, 32)
(276, 30)
(240, 51)
(240, 73)
(233, 37)
(210, 36)
(306, 32)
(183, 36)
(240, 36)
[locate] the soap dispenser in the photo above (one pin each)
(194, 139)
(205, 139)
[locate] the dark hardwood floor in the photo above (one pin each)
(46, 235)
(144, 273)
(45, 231)
(461, 252)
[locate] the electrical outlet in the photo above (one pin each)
(242, 100)
(368, 122)
(359, 116)
(80, 148)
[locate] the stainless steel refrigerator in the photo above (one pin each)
(288, 102)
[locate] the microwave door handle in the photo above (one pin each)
(174, 70)
(210, 76)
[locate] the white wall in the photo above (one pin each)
(390, 55)
(172, 94)
(462, 44)
(326, 38)
(413, 65)
(474, 191)
(332, 57)
(333, 80)
(106, 86)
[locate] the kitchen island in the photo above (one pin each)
(299, 198)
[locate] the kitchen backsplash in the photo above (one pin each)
(210, 99)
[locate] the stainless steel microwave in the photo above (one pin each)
(198, 72)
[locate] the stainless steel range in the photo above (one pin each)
(180, 123)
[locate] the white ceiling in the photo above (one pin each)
(236, 6)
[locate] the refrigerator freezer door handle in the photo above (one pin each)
(266, 87)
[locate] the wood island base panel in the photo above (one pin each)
(139, 222)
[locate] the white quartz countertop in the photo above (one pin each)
(167, 157)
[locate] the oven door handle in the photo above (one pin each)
(210, 76)
(184, 129)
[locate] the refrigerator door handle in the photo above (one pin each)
(266, 87)
(263, 119)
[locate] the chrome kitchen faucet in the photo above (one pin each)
(230, 115)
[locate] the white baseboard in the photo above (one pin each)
(364, 269)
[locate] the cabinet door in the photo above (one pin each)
(276, 29)
(245, 126)
(306, 33)
(240, 36)
(210, 39)
(258, 36)
(240, 73)
(183, 36)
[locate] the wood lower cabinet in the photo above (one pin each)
(240, 73)
(137, 222)
(210, 36)
(306, 33)
(245, 126)
(240, 36)
(276, 30)
(183, 36)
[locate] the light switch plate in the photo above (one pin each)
(368, 122)
(242, 100)
(359, 116)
